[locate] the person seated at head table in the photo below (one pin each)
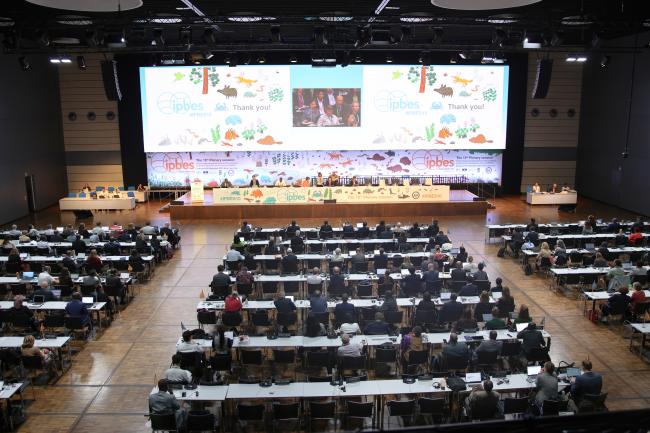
(141, 187)
(354, 181)
(254, 182)
(566, 187)
(333, 179)
(320, 180)
(304, 182)
(280, 182)
(225, 183)
(554, 189)
(537, 188)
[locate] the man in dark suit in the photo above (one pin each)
(588, 382)
(358, 261)
(455, 348)
(292, 229)
(533, 237)
(45, 291)
(469, 289)
(531, 338)
(284, 304)
(458, 273)
(452, 310)
(343, 308)
(442, 238)
(337, 282)
(481, 275)
(348, 230)
(297, 243)
(290, 263)
(363, 232)
(412, 283)
(380, 260)
(431, 275)
(326, 230)
(221, 281)
(378, 326)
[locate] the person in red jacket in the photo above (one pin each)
(233, 303)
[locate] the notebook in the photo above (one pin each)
(521, 326)
(472, 377)
(572, 372)
(534, 370)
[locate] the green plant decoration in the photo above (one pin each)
(490, 95)
(431, 131)
(276, 95)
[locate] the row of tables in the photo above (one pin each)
(493, 231)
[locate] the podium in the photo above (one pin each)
(196, 192)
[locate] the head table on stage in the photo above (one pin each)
(342, 194)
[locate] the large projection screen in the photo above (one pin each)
(301, 108)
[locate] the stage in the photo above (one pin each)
(461, 202)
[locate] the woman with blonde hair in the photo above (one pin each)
(29, 348)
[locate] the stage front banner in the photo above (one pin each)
(180, 169)
(347, 194)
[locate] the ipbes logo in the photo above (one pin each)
(170, 162)
(177, 103)
(426, 160)
(387, 101)
(178, 165)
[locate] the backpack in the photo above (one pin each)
(528, 270)
(456, 384)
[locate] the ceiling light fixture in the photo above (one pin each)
(81, 63)
(336, 17)
(293, 59)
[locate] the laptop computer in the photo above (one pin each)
(56, 292)
(59, 229)
(572, 372)
(359, 225)
(405, 272)
(445, 296)
(521, 326)
(534, 370)
(487, 317)
(376, 252)
(38, 300)
(472, 377)
(454, 251)
(380, 271)
(627, 265)
(27, 275)
(590, 247)
(81, 256)
(124, 275)
(88, 300)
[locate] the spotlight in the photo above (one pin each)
(209, 37)
(389, 59)
(43, 39)
(261, 59)
(425, 58)
(604, 61)
(65, 59)
(81, 63)
(55, 60)
(276, 35)
(208, 55)
(498, 37)
(320, 36)
(293, 59)
(581, 59)
(438, 33)
(345, 59)
(158, 38)
(24, 64)
(576, 58)
(358, 59)
(185, 36)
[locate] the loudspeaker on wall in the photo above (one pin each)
(542, 78)
(111, 81)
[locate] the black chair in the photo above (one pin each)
(323, 318)
(206, 318)
(483, 285)
(286, 412)
(319, 378)
(251, 357)
(360, 268)
(269, 288)
(510, 348)
(359, 411)
(244, 289)
(322, 411)
(642, 279)
(287, 319)
(221, 362)
(515, 406)
(487, 359)
(456, 363)
(434, 287)
(550, 407)
(457, 285)
(640, 310)
(250, 413)
(364, 289)
(200, 421)
(425, 317)
(598, 401)
(354, 363)
(193, 362)
(163, 422)
(319, 359)
(311, 288)
(434, 407)
(75, 324)
(394, 317)
(286, 357)
(220, 291)
(538, 355)
(385, 356)
(416, 359)
(401, 408)
(260, 318)
(54, 321)
(231, 318)
(32, 364)
(291, 287)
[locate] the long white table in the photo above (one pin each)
(71, 203)
(535, 198)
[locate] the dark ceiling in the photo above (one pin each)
(269, 26)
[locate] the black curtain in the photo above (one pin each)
(513, 155)
(134, 162)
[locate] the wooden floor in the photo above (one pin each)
(106, 389)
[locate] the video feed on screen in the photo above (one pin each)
(339, 107)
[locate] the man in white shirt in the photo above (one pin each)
(49, 231)
(328, 119)
(280, 182)
(14, 231)
(234, 256)
(98, 230)
(347, 348)
(46, 277)
(175, 373)
(349, 327)
(314, 277)
(331, 98)
(148, 229)
(187, 345)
